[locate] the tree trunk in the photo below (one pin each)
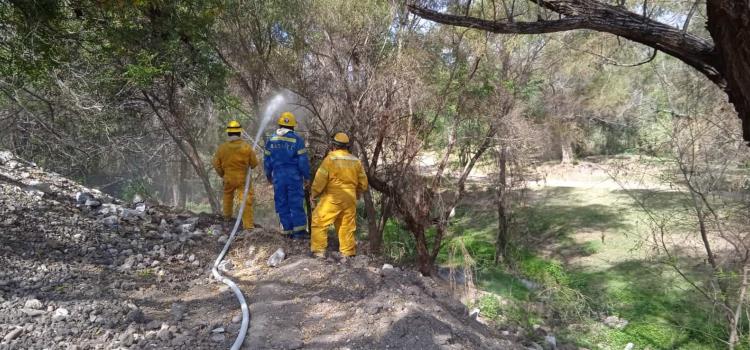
(566, 149)
(729, 25)
(503, 221)
(183, 187)
(374, 235)
(425, 261)
(175, 194)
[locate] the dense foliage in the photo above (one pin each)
(132, 96)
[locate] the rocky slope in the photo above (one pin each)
(81, 270)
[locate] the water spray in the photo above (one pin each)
(274, 104)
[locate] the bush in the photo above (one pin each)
(489, 306)
(548, 273)
(399, 245)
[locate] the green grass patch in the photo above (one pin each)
(489, 306)
(583, 248)
(496, 280)
(146, 273)
(399, 245)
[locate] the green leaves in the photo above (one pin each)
(143, 73)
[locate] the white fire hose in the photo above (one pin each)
(215, 270)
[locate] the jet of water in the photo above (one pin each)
(268, 113)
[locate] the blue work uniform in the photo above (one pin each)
(287, 166)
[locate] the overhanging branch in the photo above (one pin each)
(697, 52)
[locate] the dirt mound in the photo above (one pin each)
(85, 271)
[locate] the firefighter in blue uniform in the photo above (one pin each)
(288, 169)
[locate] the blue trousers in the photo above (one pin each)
(289, 200)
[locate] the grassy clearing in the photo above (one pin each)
(590, 258)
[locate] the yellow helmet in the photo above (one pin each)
(341, 139)
(234, 126)
(287, 119)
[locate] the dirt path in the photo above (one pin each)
(102, 274)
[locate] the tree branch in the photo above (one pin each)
(697, 52)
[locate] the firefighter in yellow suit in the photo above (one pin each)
(231, 162)
(338, 183)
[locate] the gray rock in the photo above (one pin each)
(129, 340)
(13, 334)
(223, 239)
(33, 304)
(137, 198)
(135, 315)
(387, 267)
(164, 333)
(218, 330)
(215, 230)
(141, 208)
(128, 264)
(163, 226)
(193, 220)
(6, 156)
(474, 313)
(276, 258)
(92, 203)
(131, 215)
(61, 314)
(226, 265)
(83, 197)
(33, 312)
(110, 221)
(629, 346)
(108, 209)
(550, 342)
(152, 325)
(178, 311)
(180, 339)
(187, 228)
(237, 319)
(218, 337)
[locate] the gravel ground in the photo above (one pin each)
(82, 270)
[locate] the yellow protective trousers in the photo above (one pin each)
(234, 185)
(339, 181)
(231, 162)
(340, 213)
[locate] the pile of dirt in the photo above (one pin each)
(81, 270)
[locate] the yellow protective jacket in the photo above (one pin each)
(340, 175)
(233, 158)
(231, 162)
